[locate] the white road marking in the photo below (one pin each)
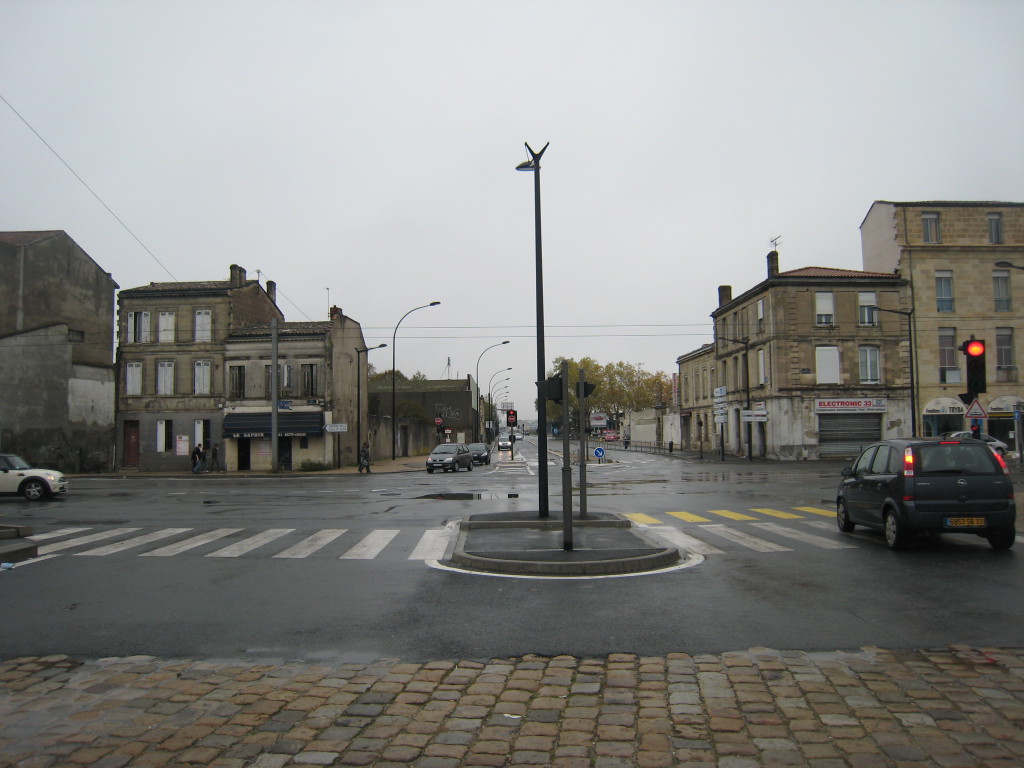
(253, 542)
(744, 539)
(138, 541)
(371, 546)
(684, 541)
(187, 544)
(809, 538)
(311, 544)
(57, 546)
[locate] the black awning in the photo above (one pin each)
(289, 424)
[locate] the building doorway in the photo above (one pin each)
(242, 460)
(131, 444)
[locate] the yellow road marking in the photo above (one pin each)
(777, 513)
(689, 517)
(730, 514)
(641, 518)
(818, 511)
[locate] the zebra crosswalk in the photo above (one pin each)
(227, 543)
(704, 534)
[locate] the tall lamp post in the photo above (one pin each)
(476, 409)
(533, 164)
(909, 314)
(746, 379)
(359, 394)
(394, 416)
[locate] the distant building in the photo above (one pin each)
(172, 379)
(800, 367)
(952, 253)
(429, 411)
(56, 353)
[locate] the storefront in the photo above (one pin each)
(943, 414)
(247, 443)
(845, 425)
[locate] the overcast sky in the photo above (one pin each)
(363, 153)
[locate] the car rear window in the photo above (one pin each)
(956, 459)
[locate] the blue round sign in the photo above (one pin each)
(599, 452)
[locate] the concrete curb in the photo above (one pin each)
(522, 544)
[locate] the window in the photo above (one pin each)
(824, 310)
(138, 328)
(882, 460)
(1001, 289)
(762, 370)
(204, 325)
(827, 364)
(201, 377)
(995, 228)
(866, 314)
(284, 379)
(310, 373)
(133, 379)
(165, 377)
(1006, 367)
(949, 370)
(869, 365)
(943, 290)
(164, 435)
(760, 315)
(236, 381)
(165, 328)
(930, 228)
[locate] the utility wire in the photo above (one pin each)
(91, 190)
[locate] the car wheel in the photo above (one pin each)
(895, 536)
(843, 517)
(1002, 539)
(34, 490)
(430, 470)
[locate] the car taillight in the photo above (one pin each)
(1002, 462)
(908, 462)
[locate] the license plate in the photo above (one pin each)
(965, 522)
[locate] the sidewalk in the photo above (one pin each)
(947, 708)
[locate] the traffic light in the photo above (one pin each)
(551, 388)
(974, 351)
(511, 418)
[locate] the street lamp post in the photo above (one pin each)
(909, 314)
(533, 165)
(746, 379)
(490, 398)
(476, 405)
(394, 416)
(359, 394)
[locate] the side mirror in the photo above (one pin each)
(847, 471)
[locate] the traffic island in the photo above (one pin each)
(521, 543)
(15, 546)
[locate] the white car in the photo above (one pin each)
(17, 476)
(994, 443)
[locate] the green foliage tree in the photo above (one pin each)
(619, 386)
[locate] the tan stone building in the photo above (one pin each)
(801, 367)
(963, 262)
(170, 360)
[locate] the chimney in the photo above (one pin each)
(724, 295)
(272, 290)
(335, 314)
(773, 264)
(237, 275)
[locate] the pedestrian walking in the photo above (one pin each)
(197, 459)
(215, 458)
(364, 458)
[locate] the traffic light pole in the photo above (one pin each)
(566, 464)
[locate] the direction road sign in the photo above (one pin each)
(599, 452)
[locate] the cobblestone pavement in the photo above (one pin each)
(949, 708)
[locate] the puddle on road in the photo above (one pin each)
(468, 496)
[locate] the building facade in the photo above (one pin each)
(964, 263)
(171, 364)
(802, 366)
(321, 394)
(56, 353)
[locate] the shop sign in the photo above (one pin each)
(850, 405)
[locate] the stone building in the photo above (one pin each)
(170, 357)
(963, 262)
(321, 394)
(801, 367)
(56, 353)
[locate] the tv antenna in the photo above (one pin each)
(775, 242)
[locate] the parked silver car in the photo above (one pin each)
(449, 457)
(994, 443)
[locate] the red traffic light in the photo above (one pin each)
(974, 348)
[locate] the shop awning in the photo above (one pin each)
(289, 424)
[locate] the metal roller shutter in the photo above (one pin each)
(844, 434)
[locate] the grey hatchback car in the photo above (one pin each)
(449, 457)
(909, 485)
